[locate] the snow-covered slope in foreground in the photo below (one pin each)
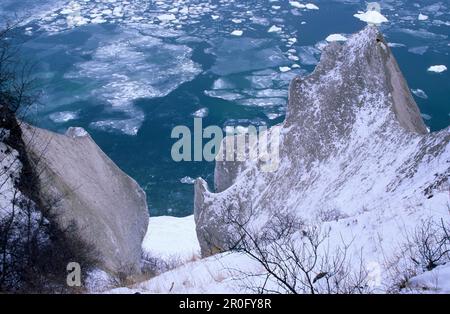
(216, 274)
(435, 281)
(172, 239)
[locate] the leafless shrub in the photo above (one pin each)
(296, 258)
(425, 248)
(332, 214)
(429, 245)
(35, 250)
(153, 266)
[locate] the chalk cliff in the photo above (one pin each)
(83, 186)
(353, 144)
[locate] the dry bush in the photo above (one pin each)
(425, 248)
(296, 258)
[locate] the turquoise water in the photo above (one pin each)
(130, 71)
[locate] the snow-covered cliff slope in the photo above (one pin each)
(353, 143)
(353, 146)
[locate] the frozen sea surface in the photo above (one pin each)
(129, 71)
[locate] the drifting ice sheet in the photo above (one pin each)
(371, 17)
(336, 37)
(437, 68)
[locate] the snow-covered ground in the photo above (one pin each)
(435, 281)
(171, 238)
(216, 274)
(175, 239)
(10, 170)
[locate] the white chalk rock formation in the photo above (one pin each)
(353, 143)
(86, 188)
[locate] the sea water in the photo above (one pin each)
(130, 71)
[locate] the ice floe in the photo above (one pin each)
(274, 29)
(418, 50)
(263, 102)
(371, 17)
(63, 116)
(187, 180)
(421, 33)
(336, 37)
(422, 17)
(419, 93)
(297, 4)
(126, 126)
(273, 116)
(396, 45)
(308, 6)
(222, 83)
(201, 113)
(237, 33)
(137, 70)
(224, 94)
(437, 68)
(309, 55)
(426, 116)
(166, 17)
(311, 6)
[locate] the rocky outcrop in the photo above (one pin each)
(83, 186)
(353, 143)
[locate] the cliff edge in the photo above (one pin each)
(83, 186)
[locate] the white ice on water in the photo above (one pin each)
(284, 69)
(274, 29)
(237, 33)
(124, 70)
(419, 93)
(422, 17)
(371, 17)
(201, 113)
(129, 67)
(63, 116)
(336, 37)
(437, 68)
(187, 180)
(298, 5)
